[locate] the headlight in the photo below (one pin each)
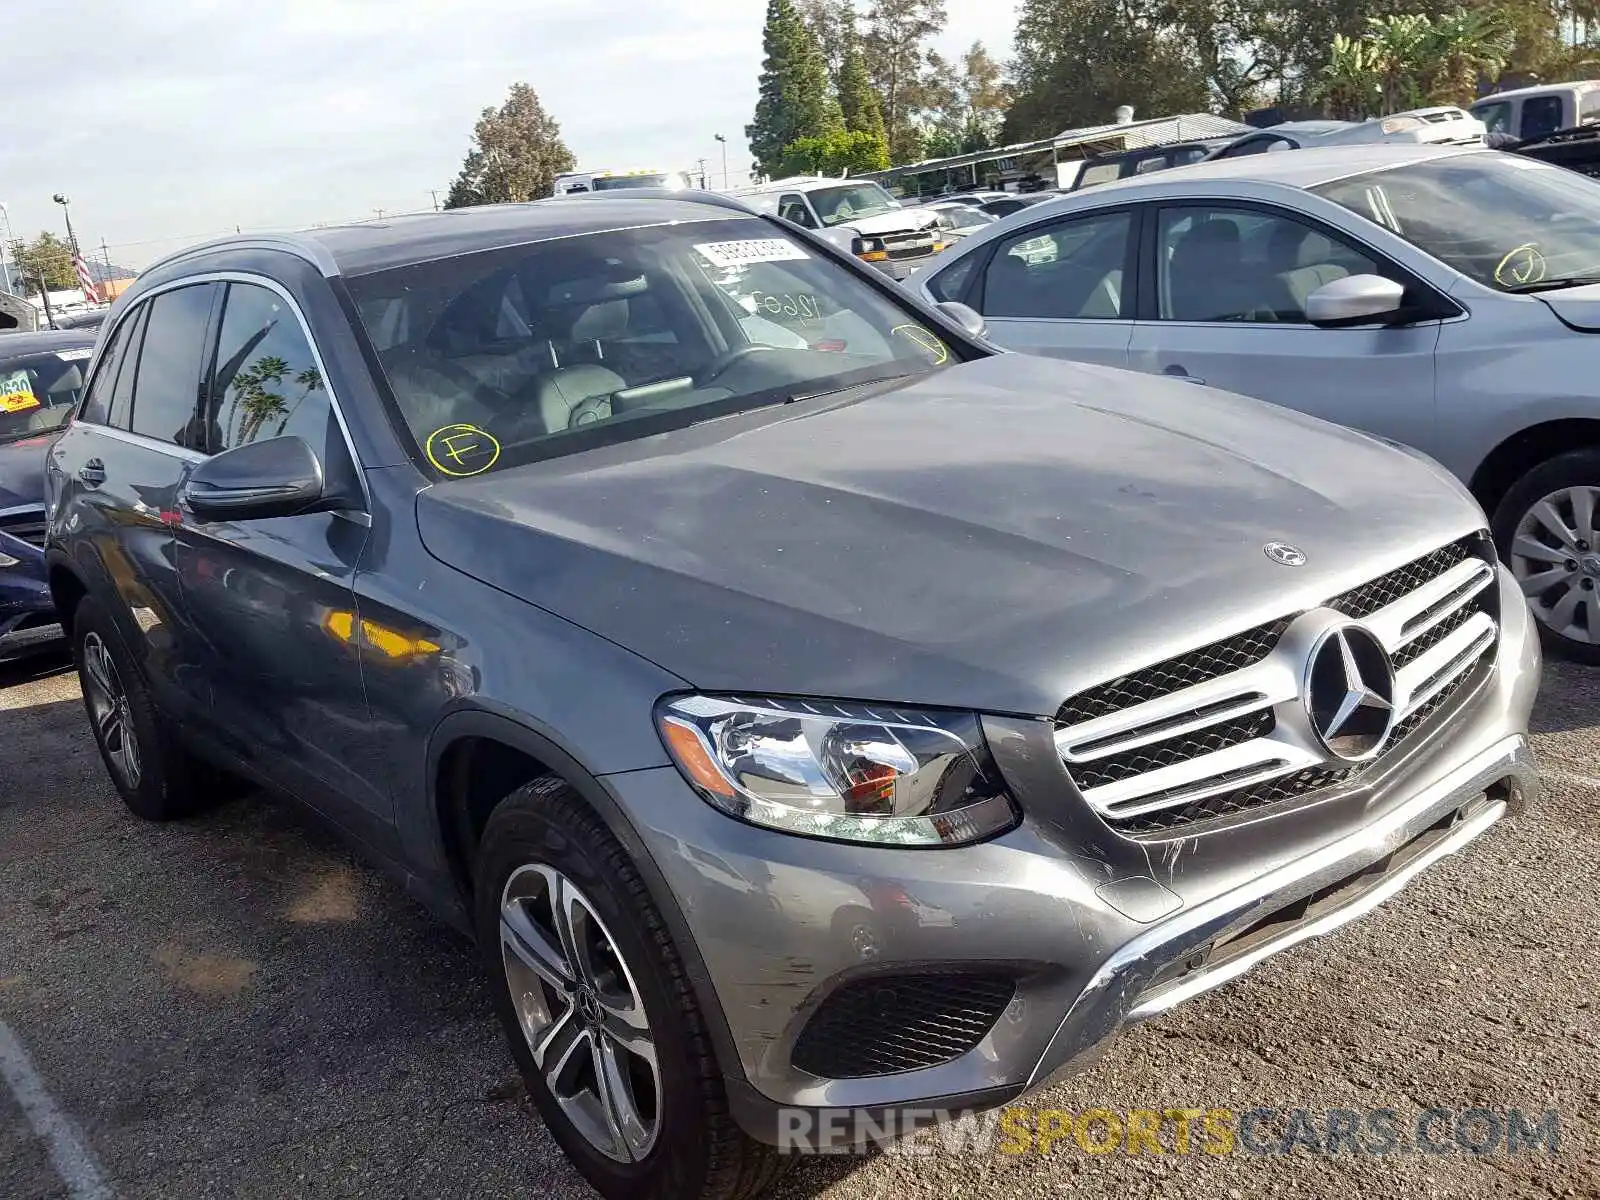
(854, 773)
(872, 249)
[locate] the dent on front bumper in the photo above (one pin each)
(1098, 931)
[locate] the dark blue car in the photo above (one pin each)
(41, 378)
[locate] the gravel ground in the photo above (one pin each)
(235, 1006)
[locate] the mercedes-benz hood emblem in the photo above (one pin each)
(1284, 554)
(1349, 693)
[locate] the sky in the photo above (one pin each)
(166, 123)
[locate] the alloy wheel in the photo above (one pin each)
(1556, 560)
(109, 710)
(581, 1012)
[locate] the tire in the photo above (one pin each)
(165, 782)
(544, 840)
(1531, 547)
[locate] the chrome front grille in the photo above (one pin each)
(1221, 729)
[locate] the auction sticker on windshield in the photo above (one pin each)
(754, 250)
(75, 355)
(16, 393)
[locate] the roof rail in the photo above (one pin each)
(683, 195)
(312, 251)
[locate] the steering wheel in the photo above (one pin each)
(715, 368)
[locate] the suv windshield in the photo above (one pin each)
(839, 205)
(515, 354)
(39, 391)
(1512, 223)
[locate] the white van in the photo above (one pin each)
(583, 182)
(1532, 112)
(856, 215)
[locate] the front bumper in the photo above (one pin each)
(1098, 930)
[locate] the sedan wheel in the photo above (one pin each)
(109, 710)
(581, 1012)
(1555, 557)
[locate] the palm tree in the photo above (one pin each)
(1408, 60)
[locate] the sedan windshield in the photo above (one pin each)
(1511, 223)
(516, 354)
(838, 205)
(39, 391)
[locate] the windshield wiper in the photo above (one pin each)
(22, 435)
(797, 397)
(1550, 285)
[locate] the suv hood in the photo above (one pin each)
(994, 536)
(897, 221)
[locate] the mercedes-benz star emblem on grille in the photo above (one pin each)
(1350, 693)
(1285, 555)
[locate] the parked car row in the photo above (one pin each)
(789, 689)
(41, 382)
(1447, 299)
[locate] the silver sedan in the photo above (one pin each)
(1447, 299)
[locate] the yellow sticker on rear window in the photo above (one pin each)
(16, 393)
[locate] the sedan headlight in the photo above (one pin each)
(854, 773)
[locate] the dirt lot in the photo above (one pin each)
(234, 1006)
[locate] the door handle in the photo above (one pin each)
(1176, 371)
(93, 472)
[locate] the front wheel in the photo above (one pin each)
(1547, 530)
(599, 1010)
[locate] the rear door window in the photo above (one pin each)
(167, 389)
(1070, 269)
(122, 381)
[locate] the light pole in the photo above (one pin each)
(66, 208)
(8, 248)
(724, 142)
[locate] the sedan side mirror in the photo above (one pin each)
(1355, 300)
(279, 477)
(970, 319)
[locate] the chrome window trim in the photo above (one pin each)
(171, 449)
(272, 285)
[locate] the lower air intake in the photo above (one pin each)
(889, 1024)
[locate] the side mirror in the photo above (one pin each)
(1355, 300)
(970, 319)
(279, 477)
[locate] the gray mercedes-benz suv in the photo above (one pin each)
(810, 711)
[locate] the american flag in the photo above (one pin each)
(90, 292)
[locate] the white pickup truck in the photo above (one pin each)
(1534, 112)
(856, 215)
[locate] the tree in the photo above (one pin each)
(833, 24)
(516, 154)
(897, 54)
(971, 98)
(1078, 60)
(841, 152)
(857, 101)
(46, 256)
(797, 98)
(1412, 59)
